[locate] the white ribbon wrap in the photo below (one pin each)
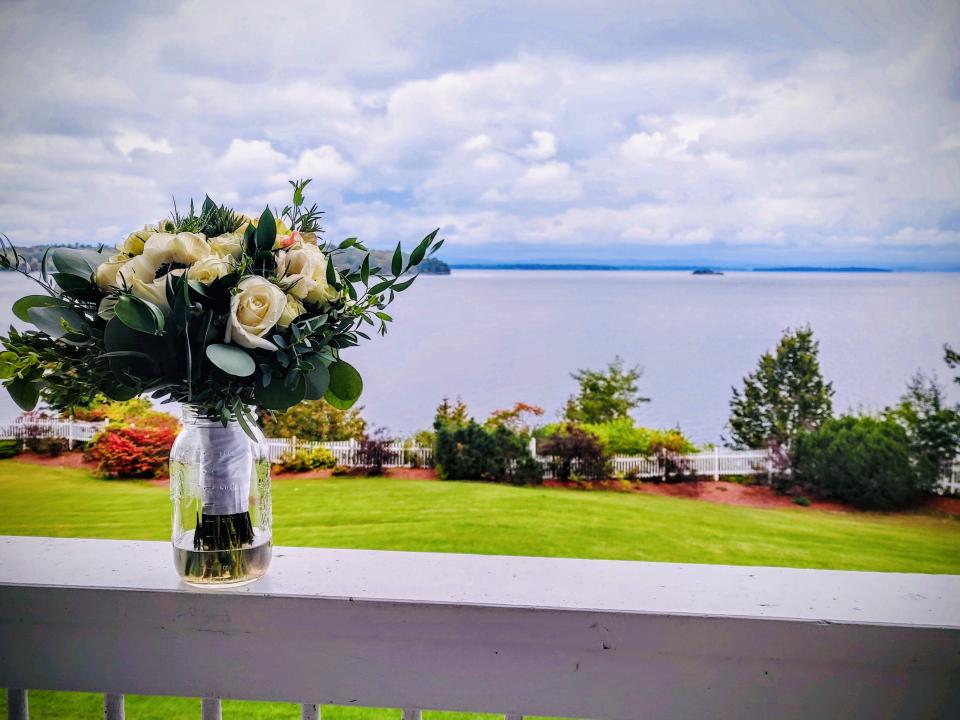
(226, 467)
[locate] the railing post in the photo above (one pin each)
(17, 705)
(309, 711)
(112, 707)
(210, 709)
(716, 463)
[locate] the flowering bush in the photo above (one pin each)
(303, 460)
(209, 308)
(133, 452)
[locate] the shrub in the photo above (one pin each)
(622, 437)
(303, 460)
(863, 461)
(472, 452)
(133, 452)
(375, 452)
(801, 501)
(576, 454)
(674, 467)
(9, 448)
(138, 412)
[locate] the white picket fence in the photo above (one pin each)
(713, 464)
(347, 452)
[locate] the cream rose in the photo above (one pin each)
(184, 248)
(208, 270)
(228, 245)
(154, 292)
(139, 268)
(254, 310)
(135, 241)
(291, 312)
(304, 267)
(106, 275)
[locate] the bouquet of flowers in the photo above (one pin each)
(210, 308)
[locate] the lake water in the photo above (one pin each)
(498, 337)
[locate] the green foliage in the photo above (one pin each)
(622, 437)
(932, 425)
(375, 451)
(785, 395)
(469, 451)
(316, 420)
(452, 413)
(861, 460)
(605, 395)
(303, 460)
(952, 358)
(9, 448)
(576, 454)
(801, 501)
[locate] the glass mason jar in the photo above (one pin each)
(220, 490)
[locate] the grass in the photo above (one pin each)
(472, 518)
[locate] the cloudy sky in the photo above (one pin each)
(649, 132)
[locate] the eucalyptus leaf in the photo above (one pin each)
(56, 321)
(25, 393)
(318, 380)
(345, 384)
(139, 314)
(21, 306)
(278, 395)
(81, 262)
(232, 359)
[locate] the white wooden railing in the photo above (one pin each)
(347, 452)
(509, 635)
(73, 431)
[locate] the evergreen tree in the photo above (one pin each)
(785, 395)
(605, 395)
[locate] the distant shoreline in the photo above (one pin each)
(680, 268)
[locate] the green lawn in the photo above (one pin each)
(472, 518)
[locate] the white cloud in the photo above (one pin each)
(550, 182)
(543, 146)
(325, 165)
(129, 141)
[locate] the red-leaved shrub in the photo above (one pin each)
(133, 452)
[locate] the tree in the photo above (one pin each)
(451, 413)
(605, 395)
(316, 420)
(952, 358)
(785, 395)
(932, 426)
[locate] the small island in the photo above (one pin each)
(706, 271)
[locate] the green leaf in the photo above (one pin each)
(21, 306)
(331, 274)
(24, 393)
(297, 195)
(119, 391)
(420, 250)
(231, 359)
(380, 287)
(345, 385)
(81, 262)
(71, 283)
(400, 287)
(266, 230)
(318, 380)
(139, 314)
(396, 266)
(56, 321)
(365, 270)
(208, 206)
(437, 246)
(349, 242)
(278, 395)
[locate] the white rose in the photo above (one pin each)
(291, 312)
(184, 248)
(154, 292)
(253, 312)
(135, 241)
(321, 291)
(297, 266)
(106, 275)
(228, 245)
(139, 268)
(208, 270)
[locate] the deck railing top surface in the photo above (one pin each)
(905, 599)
